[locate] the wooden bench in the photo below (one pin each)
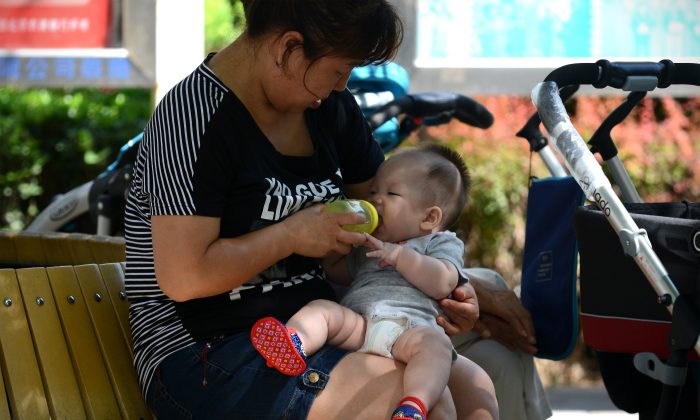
(65, 341)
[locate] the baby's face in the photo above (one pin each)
(396, 193)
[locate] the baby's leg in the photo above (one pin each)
(427, 353)
(285, 346)
(323, 321)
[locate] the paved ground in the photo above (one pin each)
(584, 403)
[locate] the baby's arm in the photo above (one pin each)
(435, 277)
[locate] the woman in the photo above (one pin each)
(221, 225)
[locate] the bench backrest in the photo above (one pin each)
(65, 349)
(42, 249)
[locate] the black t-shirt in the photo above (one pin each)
(203, 154)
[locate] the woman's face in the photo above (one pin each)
(305, 84)
(326, 75)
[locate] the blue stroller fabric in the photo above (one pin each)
(548, 284)
(389, 78)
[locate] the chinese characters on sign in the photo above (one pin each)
(65, 69)
(54, 23)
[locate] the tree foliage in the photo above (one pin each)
(224, 22)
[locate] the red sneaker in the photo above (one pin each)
(281, 347)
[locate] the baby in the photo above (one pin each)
(395, 279)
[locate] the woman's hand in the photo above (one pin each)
(461, 311)
(503, 317)
(495, 328)
(316, 233)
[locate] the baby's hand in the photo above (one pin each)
(387, 252)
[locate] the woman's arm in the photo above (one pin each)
(192, 261)
(336, 269)
(504, 318)
(360, 190)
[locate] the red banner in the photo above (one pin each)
(54, 23)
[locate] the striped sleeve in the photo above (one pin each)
(172, 141)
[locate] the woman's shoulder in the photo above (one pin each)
(201, 86)
(196, 100)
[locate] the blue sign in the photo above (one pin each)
(67, 71)
(458, 30)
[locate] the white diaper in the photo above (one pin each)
(381, 335)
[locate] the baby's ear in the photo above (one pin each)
(433, 218)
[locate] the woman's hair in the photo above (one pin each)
(369, 31)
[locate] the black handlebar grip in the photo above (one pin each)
(575, 74)
(686, 74)
(433, 104)
(472, 112)
(463, 108)
(629, 76)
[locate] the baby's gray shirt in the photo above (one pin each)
(383, 292)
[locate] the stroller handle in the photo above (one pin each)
(531, 130)
(628, 76)
(434, 104)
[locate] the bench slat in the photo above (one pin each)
(56, 249)
(4, 404)
(95, 385)
(61, 385)
(29, 249)
(113, 344)
(19, 364)
(108, 249)
(8, 253)
(113, 276)
(80, 248)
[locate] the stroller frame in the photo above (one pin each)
(635, 77)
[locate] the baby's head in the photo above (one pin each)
(418, 191)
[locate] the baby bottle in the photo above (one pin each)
(356, 206)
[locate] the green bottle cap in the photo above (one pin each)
(371, 214)
(356, 206)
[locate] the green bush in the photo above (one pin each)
(223, 22)
(54, 140)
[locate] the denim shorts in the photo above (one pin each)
(226, 378)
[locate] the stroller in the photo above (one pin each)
(97, 206)
(654, 329)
